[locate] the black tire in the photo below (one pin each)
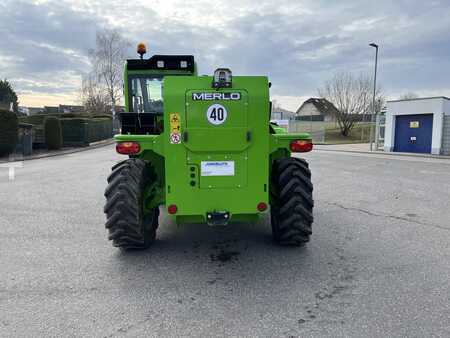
(128, 226)
(292, 201)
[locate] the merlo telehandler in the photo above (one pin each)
(203, 148)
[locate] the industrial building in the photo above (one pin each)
(420, 125)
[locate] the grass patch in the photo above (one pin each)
(359, 134)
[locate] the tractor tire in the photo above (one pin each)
(128, 226)
(292, 202)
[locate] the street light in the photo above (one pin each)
(374, 92)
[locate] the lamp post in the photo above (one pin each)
(374, 93)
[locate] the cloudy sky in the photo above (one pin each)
(298, 44)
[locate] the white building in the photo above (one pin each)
(317, 109)
(419, 125)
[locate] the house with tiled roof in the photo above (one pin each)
(317, 109)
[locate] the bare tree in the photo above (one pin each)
(94, 95)
(107, 59)
(352, 96)
(409, 96)
(380, 103)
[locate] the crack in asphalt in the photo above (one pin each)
(400, 218)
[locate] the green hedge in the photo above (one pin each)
(100, 116)
(75, 131)
(78, 129)
(38, 134)
(53, 133)
(9, 126)
(75, 115)
(100, 129)
(82, 131)
(36, 119)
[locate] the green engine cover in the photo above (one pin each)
(216, 146)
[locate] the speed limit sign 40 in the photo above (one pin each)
(216, 114)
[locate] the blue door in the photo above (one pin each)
(413, 133)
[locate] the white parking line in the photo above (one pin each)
(11, 168)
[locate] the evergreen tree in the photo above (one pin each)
(7, 94)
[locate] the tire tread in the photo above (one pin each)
(292, 201)
(125, 222)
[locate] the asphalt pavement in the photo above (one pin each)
(378, 264)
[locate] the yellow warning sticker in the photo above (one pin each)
(175, 123)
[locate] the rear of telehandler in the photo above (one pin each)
(203, 146)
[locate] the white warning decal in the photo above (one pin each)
(175, 138)
(216, 114)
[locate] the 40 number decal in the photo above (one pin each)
(216, 114)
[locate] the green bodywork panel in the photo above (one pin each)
(243, 140)
(240, 193)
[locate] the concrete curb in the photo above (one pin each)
(442, 157)
(93, 145)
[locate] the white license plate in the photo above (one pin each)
(217, 168)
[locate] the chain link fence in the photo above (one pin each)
(330, 133)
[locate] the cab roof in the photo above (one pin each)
(163, 62)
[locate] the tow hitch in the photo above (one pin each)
(217, 217)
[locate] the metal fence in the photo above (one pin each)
(329, 132)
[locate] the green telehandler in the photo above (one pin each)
(203, 148)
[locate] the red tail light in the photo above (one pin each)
(301, 146)
(128, 148)
(172, 209)
(261, 206)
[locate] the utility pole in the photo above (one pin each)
(373, 119)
